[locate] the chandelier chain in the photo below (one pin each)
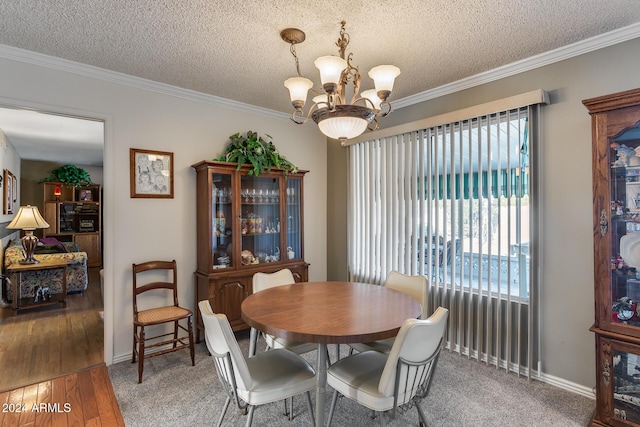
(295, 56)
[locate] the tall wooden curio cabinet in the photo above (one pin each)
(245, 224)
(74, 215)
(615, 122)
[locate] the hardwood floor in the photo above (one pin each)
(85, 398)
(48, 342)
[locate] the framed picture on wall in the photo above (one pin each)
(14, 187)
(10, 188)
(151, 173)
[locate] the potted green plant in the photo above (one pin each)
(69, 175)
(252, 149)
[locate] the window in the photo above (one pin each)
(476, 220)
(455, 201)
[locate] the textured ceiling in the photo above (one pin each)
(233, 49)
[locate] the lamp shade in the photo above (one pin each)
(320, 98)
(343, 127)
(344, 121)
(28, 218)
(372, 95)
(298, 88)
(383, 76)
(330, 68)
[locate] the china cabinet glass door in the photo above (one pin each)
(626, 384)
(625, 232)
(260, 219)
(294, 215)
(221, 226)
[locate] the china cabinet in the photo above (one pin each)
(74, 215)
(245, 224)
(616, 207)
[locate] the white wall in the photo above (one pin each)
(193, 127)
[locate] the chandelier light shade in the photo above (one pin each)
(372, 95)
(383, 77)
(330, 68)
(298, 89)
(336, 116)
(28, 219)
(344, 122)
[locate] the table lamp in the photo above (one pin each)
(28, 219)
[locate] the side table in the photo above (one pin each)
(20, 303)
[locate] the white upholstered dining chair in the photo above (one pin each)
(414, 286)
(402, 378)
(268, 377)
(262, 281)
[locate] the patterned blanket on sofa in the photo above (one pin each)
(77, 277)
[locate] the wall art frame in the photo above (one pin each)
(10, 192)
(151, 173)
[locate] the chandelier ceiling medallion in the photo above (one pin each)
(337, 118)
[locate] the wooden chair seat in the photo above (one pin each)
(163, 314)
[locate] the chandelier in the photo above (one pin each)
(335, 117)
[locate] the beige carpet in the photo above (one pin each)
(463, 393)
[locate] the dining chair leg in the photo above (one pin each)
(140, 354)
(175, 333)
(191, 343)
(421, 415)
(250, 415)
(310, 406)
(253, 341)
(383, 419)
(133, 353)
(291, 408)
(224, 411)
(334, 400)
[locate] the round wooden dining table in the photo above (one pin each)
(329, 313)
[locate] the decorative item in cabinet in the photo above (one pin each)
(616, 193)
(75, 214)
(245, 224)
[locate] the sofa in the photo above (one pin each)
(77, 277)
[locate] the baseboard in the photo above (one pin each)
(567, 385)
(122, 358)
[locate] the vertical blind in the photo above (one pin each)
(456, 202)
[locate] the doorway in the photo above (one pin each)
(47, 342)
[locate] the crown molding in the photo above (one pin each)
(55, 63)
(585, 46)
(537, 61)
